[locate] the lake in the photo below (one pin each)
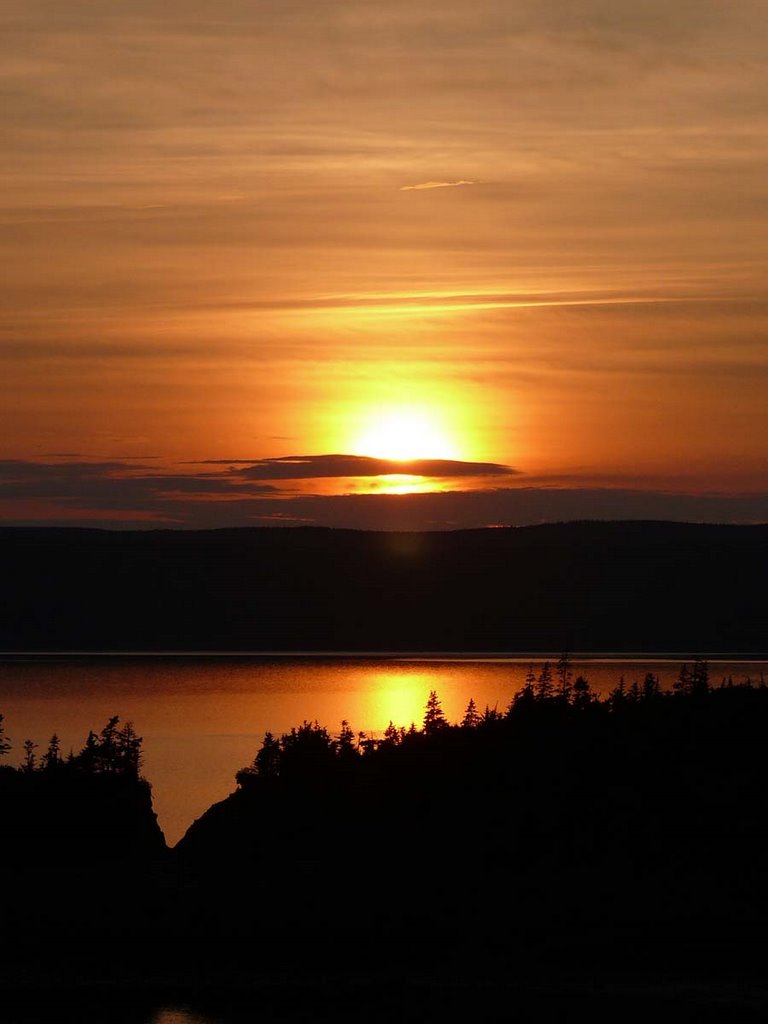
(203, 717)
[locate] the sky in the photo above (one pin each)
(382, 264)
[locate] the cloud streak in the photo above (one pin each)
(436, 184)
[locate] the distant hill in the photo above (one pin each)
(601, 586)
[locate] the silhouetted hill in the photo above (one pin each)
(623, 586)
(640, 815)
(605, 852)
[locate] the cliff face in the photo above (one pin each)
(65, 816)
(81, 849)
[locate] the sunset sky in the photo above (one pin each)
(254, 250)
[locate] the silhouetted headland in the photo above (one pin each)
(542, 837)
(591, 586)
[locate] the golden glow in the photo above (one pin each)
(397, 697)
(405, 433)
(403, 483)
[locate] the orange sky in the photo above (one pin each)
(233, 231)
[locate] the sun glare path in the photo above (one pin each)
(397, 697)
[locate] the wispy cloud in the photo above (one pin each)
(436, 184)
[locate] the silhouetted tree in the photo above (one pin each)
(30, 760)
(544, 685)
(434, 719)
(393, 736)
(5, 743)
(367, 745)
(471, 716)
(700, 677)
(490, 715)
(87, 759)
(682, 685)
(51, 759)
(617, 699)
(108, 757)
(564, 675)
(582, 693)
(127, 751)
(306, 750)
(651, 688)
(525, 697)
(267, 760)
(345, 743)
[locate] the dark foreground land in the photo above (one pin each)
(582, 586)
(566, 855)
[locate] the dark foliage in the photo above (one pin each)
(637, 813)
(77, 822)
(564, 825)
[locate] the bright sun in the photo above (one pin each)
(403, 435)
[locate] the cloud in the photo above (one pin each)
(436, 184)
(314, 467)
(118, 486)
(116, 495)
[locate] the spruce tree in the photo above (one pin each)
(700, 677)
(564, 677)
(544, 687)
(30, 760)
(345, 742)
(128, 751)
(471, 716)
(434, 719)
(267, 761)
(392, 735)
(51, 759)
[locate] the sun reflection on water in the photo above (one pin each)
(397, 697)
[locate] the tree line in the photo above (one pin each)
(554, 693)
(115, 750)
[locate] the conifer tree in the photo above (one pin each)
(51, 759)
(345, 742)
(491, 714)
(30, 760)
(267, 760)
(617, 698)
(108, 756)
(700, 677)
(87, 759)
(564, 675)
(434, 719)
(582, 693)
(544, 687)
(651, 689)
(127, 746)
(471, 716)
(392, 735)
(682, 685)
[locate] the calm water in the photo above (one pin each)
(202, 718)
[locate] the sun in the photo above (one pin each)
(405, 434)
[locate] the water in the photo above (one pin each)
(202, 718)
